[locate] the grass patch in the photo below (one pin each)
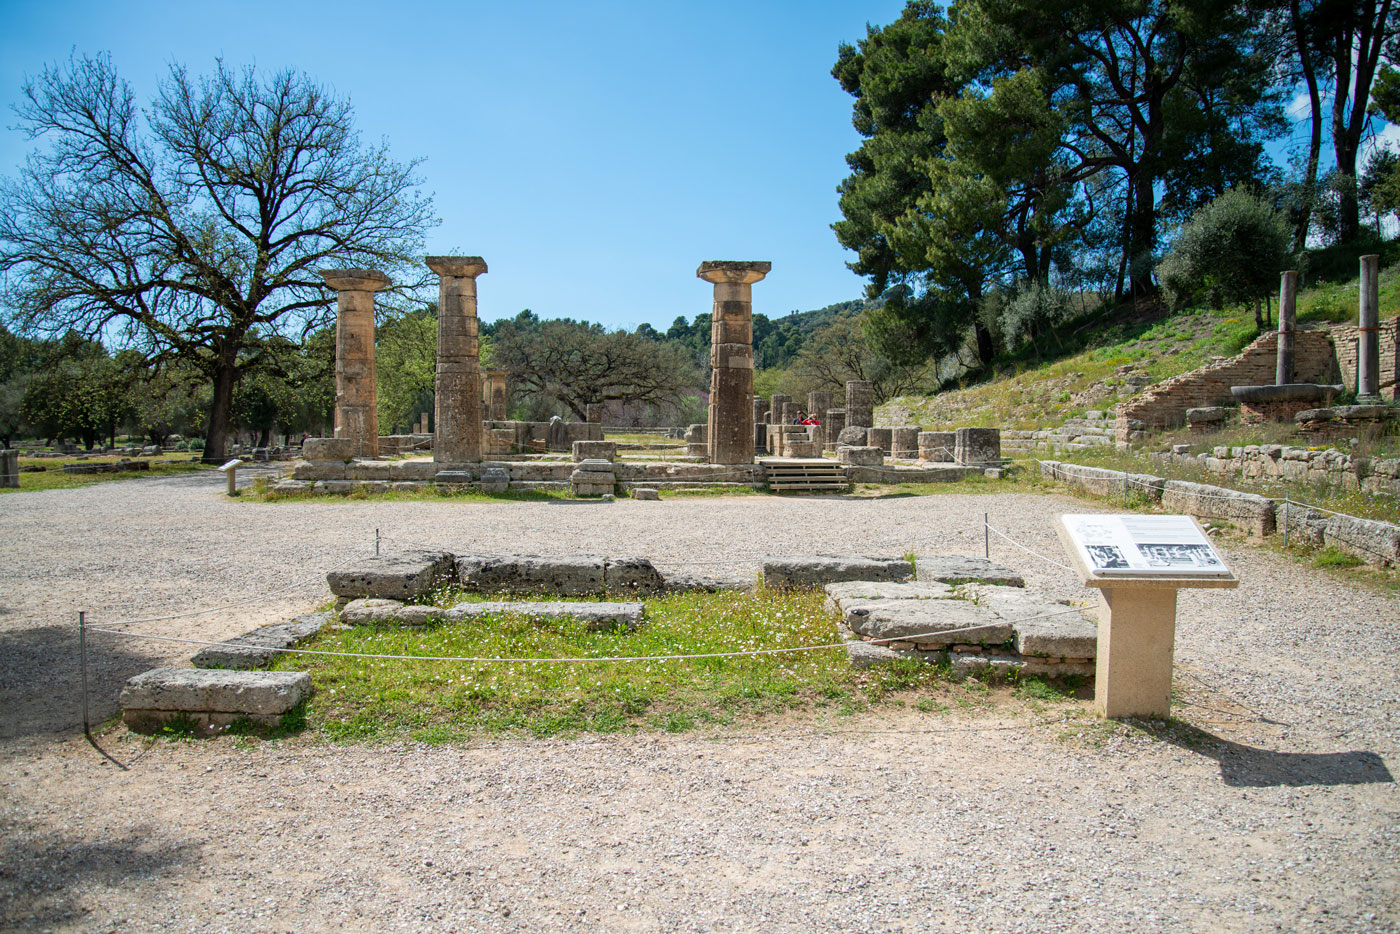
(1331, 557)
(54, 477)
(368, 700)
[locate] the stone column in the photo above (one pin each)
(775, 408)
(9, 469)
(730, 435)
(860, 403)
(760, 426)
(356, 397)
(496, 401)
(789, 413)
(835, 421)
(457, 408)
(818, 404)
(593, 413)
(1287, 315)
(1368, 351)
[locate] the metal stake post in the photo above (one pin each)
(82, 666)
(986, 537)
(376, 543)
(1285, 520)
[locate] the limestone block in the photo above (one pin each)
(452, 476)
(1043, 627)
(955, 569)
(407, 576)
(257, 649)
(882, 438)
(642, 492)
(595, 616)
(905, 441)
(977, 446)
(210, 696)
(572, 575)
(860, 456)
(494, 480)
(816, 571)
(1372, 541)
(852, 435)
(935, 622)
(866, 655)
(937, 446)
(984, 666)
(682, 581)
(380, 612)
(318, 470)
(866, 591)
(1206, 415)
(632, 574)
(595, 450)
(329, 449)
(1253, 513)
(800, 448)
(9, 469)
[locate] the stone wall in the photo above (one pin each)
(1165, 405)
(1299, 465)
(1374, 542)
(1344, 340)
(1076, 434)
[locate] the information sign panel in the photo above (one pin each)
(1138, 546)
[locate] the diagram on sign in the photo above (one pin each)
(1133, 545)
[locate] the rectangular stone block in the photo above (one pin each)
(595, 450)
(161, 694)
(408, 576)
(329, 449)
(817, 571)
(9, 469)
(257, 649)
(977, 446)
(937, 622)
(571, 575)
(956, 569)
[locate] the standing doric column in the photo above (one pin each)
(1287, 315)
(730, 436)
(457, 407)
(356, 398)
(1368, 351)
(860, 404)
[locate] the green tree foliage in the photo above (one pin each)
(165, 400)
(79, 392)
(1232, 250)
(574, 364)
(405, 350)
(193, 229)
(839, 352)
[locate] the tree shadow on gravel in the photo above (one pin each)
(47, 880)
(41, 687)
(1250, 767)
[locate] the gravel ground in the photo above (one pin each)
(1273, 807)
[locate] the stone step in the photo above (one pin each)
(210, 698)
(257, 649)
(597, 616)
(404, 576)
(816, 571)
(953, 569)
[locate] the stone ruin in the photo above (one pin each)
(968, 613)
(472, 444)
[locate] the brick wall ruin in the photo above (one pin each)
(1344, 342)
(1165, 405)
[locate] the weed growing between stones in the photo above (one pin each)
(359, 699)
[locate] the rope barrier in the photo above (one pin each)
(995, 531)
(586, 660)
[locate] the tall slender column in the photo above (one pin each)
(1368, 351)
(860, 404)
(730, 437)
(496, 405)
(1287, 315)
(457, 407)
(356, 398)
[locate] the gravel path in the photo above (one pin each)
(1273, 808)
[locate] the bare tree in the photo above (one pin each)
(193, 229)
(840, 352)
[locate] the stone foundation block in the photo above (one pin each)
(573, 575)
(210, 697)
(257, 649)
(933, 622)
(853, 435)
(866, 655)
(494, 480)
(860, 456)
(595, 450)
(957, 569)
(828, 569)
(408, 576)
(937, 446)
(977, 446)
(1255, 514)
(329, 449)
(905, 440)
(632, 575)
(643, 492)
(882, 438)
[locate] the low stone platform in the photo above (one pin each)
(210, 698)
(974, 628)
(818, 570)
(957, 569)
(405, 576)
(257, 649)
(597, 616)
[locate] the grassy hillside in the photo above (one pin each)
(1094, 360)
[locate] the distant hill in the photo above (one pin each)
(776, 340)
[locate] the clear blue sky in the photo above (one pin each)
(593, 153)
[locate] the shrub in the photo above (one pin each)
(1230, 251)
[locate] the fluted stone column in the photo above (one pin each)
(730, 430)
(496, 399)
(818, 404)
(356, 397)
(860, 403)
(1368, 351)
(1287, 315)
(457, 408)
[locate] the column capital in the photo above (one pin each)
(356, 280)
(718, 270)
(461, 267)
